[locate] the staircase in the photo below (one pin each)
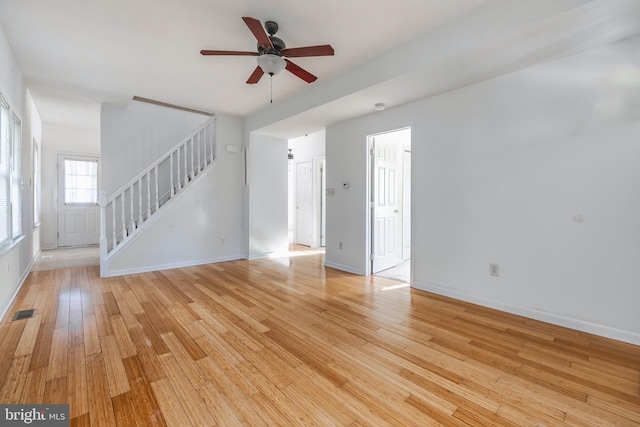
(135, 206)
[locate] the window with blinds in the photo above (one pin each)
(16, 178)
(10, 174)
(5, 174)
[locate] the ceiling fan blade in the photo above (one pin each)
(300, 72)
(255, 76)
(298, 52)
(258, 32)
(228, 52)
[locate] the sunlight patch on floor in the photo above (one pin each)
(306, 252)
(393, 287)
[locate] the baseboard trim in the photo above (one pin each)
(342, 267)
(154, 218)
(23, 279)
(532, 313)
(146, 269)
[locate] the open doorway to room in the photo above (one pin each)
(307, 181)
(389, 196)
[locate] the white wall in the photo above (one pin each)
(137, 135)
(307, 148)
(60, 139)
(536, 171)
(16, 260)
(266, 194)
(33, 135)
(203, 224)
(11, 82)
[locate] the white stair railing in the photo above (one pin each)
(123, 214)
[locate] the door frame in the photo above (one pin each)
(57, 186)
(320, 171)
(368, 231)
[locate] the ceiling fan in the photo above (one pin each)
(272, 52)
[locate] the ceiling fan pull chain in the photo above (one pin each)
(271, 89)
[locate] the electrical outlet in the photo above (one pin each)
(494, 270)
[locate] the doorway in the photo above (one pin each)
(308, 200)
(389, 196)
(307, 190)
(304, 204)
(78, 212)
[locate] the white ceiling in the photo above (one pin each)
(77, 54)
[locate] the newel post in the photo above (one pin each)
(102, 202)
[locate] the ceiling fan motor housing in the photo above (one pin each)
(278, 45)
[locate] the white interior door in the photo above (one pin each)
(386, 194)
(78, 212)
(304, 203)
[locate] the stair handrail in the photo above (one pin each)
(161, 159)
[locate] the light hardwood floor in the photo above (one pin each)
(273, 342)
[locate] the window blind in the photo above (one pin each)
(4, 171)
(16, 179)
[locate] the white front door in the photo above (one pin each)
(304, 203)
(78, 212)
(386, 205)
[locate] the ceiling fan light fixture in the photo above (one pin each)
(271, 64)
